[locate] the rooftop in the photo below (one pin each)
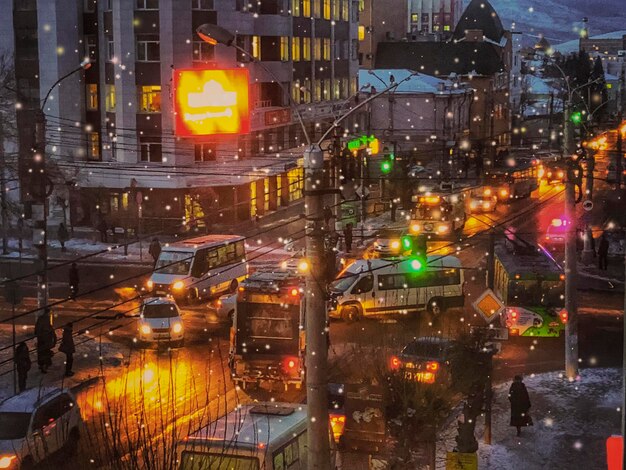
(418, 83)
(479, 14)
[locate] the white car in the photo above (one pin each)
(222, 309)
(36, 424)
(160, 320)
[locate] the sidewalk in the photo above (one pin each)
(571, 424)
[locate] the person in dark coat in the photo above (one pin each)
(22, 364)
(102, 228)
(155, 249)
(73, 278)
(603, 252)
(67, 347)
(63, 235)
(520, 404)
(46, 339)
(347, 236)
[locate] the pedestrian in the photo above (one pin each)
(328, 214)
(479, 165)
(46, 340)
(520, 404)
(347, 237)
(102, 228)
(603, 252)
(67, 347)
(22, 364)
(73, 278)
(155, 249)
(63, 235)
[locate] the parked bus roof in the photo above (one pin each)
(251, 426)
(206, 241)
(529, 261)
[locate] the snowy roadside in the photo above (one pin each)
(571, 424)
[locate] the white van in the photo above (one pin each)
(386, 286)
(267, 436)
(199, 267)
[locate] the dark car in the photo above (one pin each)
(425, 359)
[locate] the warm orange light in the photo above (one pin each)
(295, 291)
(395, 363)
(211, 102)
(432, 366)
(430, 199)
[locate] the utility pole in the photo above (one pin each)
(571, 274)
(618, 146)
(3, 193)
(40, 211)
(315, 304)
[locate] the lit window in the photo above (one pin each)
(295, 49)
(284, 48)
(203, 51)
(414, 17)
(361, 33)
(336, 10)
(147, 5)
(110, 98)
(306, 90)
(446, 27)
(345, 10)
(150, 99)
(306, 8)
(317, 8)
(256, 47)
(326, 50)
(318, 91)
(306, 48)
(93, 146)
(296, 95)
(295, 7)
(327, 92)
(318, 49)
(92, 96)
(148, 48)
(326, 9)
(150, 149)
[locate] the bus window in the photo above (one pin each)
(365, 284)
(206, 461)
(213, 260)
(200, 263)
(230, 253)
(174, 262)
(279, 461)
(222, 256)
(392, 281)
(240, 248)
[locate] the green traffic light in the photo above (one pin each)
(576, 117)
(385, 167)
(416, 265)
(407, 243)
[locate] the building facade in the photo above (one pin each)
(111, 129)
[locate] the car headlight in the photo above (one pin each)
(6, 461)
(150, 284)
(177, 327)
(415, 228)
(178, 285)
(145, 329)
(486, 205)
(395, 245)
(442, 229)
(504, 193)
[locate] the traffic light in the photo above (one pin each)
(576, 117)
(416, 265)
(407, 243)
(385, 167)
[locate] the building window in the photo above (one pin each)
(361, 33)
(93, 146)
(326, 9)
(336, 10)
(204, 152)
(295, 49)
(150, 99)
(109, 99)
(326, 49)
(306, 90)
(296, 183)
(318, 49)
(90, 6)
(202, 4)
(361, 5)
(446, 27)
(110, 47)
(414, 17)
(295, 7)
(91, 47)
(355, 50)
(318, 91)
(353, 86)
(327, 91)
(336, 89)
(296, 95)
(345, 10)
(345, 88)
(203, 51)
(306, 8)
(150, 149)
(91, 96)
(148, 48)
(306, 48)
(317, 8)
(256, 47)
(284, 48)
(147, 4)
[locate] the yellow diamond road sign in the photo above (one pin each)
(488, 305)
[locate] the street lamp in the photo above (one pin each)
(41, 192)
(213, 34)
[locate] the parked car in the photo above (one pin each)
(37, 424)
(425, 359)
(222, 309)
(160, 320)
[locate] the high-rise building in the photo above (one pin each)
(111, 129)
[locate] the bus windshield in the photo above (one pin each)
(174, 262)
(205, 461)
(267, 328)
(536, 292)
(430, 212)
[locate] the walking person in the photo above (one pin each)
(22, 364)
(73, 278)
(102, 228)
(46, 340)
(68, 348)
(603, 252)
(520, 405)
(347, 237)
(155, 249)
(63, 236)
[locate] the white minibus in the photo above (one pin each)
(390, 286)
(199, 267)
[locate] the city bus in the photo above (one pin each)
(267, 338)
(438, 214)
(532, 288)
(375, 287)
(199, 267)
(514, 182)
(263, 436)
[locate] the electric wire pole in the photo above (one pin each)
(315, 306)
(40, 211)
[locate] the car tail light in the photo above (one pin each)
(395, 363)
(290, 365)
(294, 291)
(432, 366)
(513, 314)
(563, 316)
